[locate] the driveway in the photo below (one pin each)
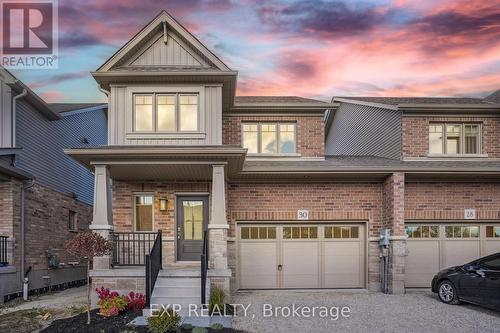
(416, 311)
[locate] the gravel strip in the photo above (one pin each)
(416, 311)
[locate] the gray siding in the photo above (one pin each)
(365, 131)
(42, 142)
(5, 115)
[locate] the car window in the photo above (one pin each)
(492, 263)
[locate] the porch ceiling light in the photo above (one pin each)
(163, 204)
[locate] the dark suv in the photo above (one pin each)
(477, 282)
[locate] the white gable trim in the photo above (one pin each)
(175, 26)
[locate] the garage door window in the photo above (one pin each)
(341, 232)
(258, 232)
(422, 231)
(462, 231)
(492, 232)
(300, 232)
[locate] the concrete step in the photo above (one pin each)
(178, 291)
(180, 272)
(163, 281)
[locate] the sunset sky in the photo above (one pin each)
(308, 48)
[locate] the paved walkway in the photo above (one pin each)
(417, 311)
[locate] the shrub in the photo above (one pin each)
(110, 303)
(187, 327)
(216, 326)
(163, 321)
(199, 330)
(136, 301)
(216, 301)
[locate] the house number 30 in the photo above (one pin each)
(302, 215)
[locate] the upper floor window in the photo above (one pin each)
(269, 138)
(454, 139)
(166, 113)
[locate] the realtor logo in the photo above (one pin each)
(29, 34)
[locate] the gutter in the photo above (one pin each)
(14, 106)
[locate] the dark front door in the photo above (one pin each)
(192, 219)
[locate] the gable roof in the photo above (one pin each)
(494, 97)
(67, 107)
(147, 35)
(276, 100)
(280, 103)
(418, 100)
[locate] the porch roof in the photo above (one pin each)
(161, 162)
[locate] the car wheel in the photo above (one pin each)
(447, 292)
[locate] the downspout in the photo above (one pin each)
(14, 103)
(24, 275)
(104, 91)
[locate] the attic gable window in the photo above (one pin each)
(454, 139)
(166, 113)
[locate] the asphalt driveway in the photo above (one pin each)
(416, 311)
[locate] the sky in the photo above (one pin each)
(316, 49)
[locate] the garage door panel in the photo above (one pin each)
(491, 246)
(342, 266)
(300, 264)
(422, 262)
(457, 252)
(258, 262)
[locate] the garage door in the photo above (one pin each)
(432, 247)
(301, 256)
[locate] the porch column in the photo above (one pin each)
(102, 222)
(217, 229)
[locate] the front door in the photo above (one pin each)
(192, 219)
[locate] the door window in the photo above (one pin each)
(492, 231)
(422, 231)
(341, 232)
(193, 219)
(300, 232)
(461, 231)
(143, 212)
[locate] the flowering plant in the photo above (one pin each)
(110, 303)
(136, 301)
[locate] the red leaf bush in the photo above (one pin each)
(110, 303)
(136, 301)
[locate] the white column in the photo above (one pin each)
(102, 221)
(218, 223)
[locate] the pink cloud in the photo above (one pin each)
(52, 96)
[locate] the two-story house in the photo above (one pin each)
(285, 192)
(45, 196)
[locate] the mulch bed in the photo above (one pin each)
(99, 324)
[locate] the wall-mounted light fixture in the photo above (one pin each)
(163, 204)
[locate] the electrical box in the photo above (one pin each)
(385, 235)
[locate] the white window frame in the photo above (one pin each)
(134, 221)
(154, 96)
(259, 137)
(462, 139)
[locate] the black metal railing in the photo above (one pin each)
(204, 267)
(153, 266)
(130, 248)
(4, 260)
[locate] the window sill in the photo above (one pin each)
(180, 135)
(457, 155)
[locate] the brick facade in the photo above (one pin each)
(310, 131)
(416, 134)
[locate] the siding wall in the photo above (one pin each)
(121, 116)
(5, 115)
(42, 142)
(366, 131)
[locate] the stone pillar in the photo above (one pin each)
(102, 222)
(217, 228)
(394, 219)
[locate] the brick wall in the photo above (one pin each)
(164, 220)
(310, 131)
(393, 203)
(416, 134)
(330, 201)
(447, 200)
(46, 224)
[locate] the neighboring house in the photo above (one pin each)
(293, 192)
(45, 196)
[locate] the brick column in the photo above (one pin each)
(394, 213)
(219, 272)
(102, 221)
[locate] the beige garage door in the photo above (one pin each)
(301, 256)
(433, 246)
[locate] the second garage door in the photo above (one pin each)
(434, 246)
(301, 256)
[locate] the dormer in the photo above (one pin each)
(166, 88)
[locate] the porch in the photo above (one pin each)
(141, 197)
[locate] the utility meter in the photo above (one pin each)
(384, 237)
